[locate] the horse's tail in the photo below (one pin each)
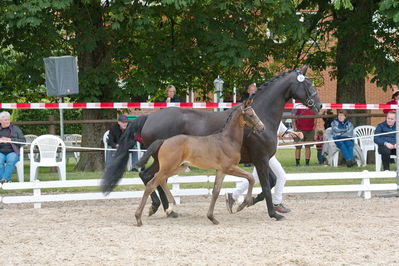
(116, 167)
(153, 148)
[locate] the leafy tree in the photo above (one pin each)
(146, 45)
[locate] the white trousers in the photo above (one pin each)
(278, 170)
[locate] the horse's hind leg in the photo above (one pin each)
(237, 171)
(169, 195)
(215, 193)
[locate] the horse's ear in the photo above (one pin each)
(304, 69)
(249, 101)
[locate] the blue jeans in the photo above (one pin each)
(320, 156)
(7, 164)
(346, 148)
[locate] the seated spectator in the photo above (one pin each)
(9, 152)
(342, 129)
(394, 100)
(115, 133)
(386, 143)
(171, 91)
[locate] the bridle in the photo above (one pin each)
(309, 101)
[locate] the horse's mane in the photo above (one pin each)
(234, 108)
(270, 81)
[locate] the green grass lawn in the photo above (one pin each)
(285, 156)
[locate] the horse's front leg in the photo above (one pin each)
(262, 167)
(237, 171)
(215, 193)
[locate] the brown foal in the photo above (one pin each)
(221, 151)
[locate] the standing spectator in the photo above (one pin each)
(171, 91)
(341, 129)
(9, 152)
(306, 126)
(386, 143)
(394, 100)
(319, 147)
(250, 90)
(327, 120)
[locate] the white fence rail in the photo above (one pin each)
(364, 188)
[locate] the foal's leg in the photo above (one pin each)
(237, 171)
(215, 193)
(151, 186)
(169, 195)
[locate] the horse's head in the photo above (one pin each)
(303, 90)
(249, 117)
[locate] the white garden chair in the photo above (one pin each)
(378, 160)
(73, 140)
(48, 147)
(20, 165)
(366, 143)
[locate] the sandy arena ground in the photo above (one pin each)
(324, 229)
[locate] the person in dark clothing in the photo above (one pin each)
(171, 91)
(328, 120)
(9, 152)
(386, 143)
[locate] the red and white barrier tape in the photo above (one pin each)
(197, 105)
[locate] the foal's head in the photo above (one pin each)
(249, 117)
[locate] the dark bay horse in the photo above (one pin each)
(268, 104)
(220, 152)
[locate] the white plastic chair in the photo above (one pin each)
(20, 165)
(73, 140)
(105, 141)
(29, 138)
(48, 146)
(366, 144)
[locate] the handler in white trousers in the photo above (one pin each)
(277, 170)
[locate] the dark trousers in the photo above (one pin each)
(320, 156)
(385, 155)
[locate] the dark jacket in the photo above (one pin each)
(16, 135)
(384, 128)
(114, 135)
(172, 100)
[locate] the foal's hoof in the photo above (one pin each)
(139, 223)
(213, 220)
(153, 209)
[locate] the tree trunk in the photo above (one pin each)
(351, 59)
(93, 137)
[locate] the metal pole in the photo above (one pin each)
(61, 100)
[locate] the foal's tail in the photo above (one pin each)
(116, 166)
(153, 148)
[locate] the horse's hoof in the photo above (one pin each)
(153, 209)
(279, 217)
(172, 215)
(139, 223)
(242, 206)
